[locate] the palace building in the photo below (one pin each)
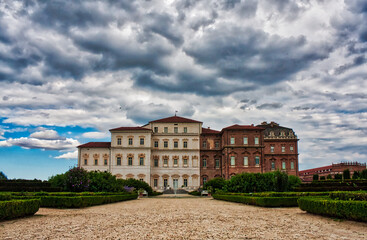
(179, 153)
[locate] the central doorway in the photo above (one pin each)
(175, 183)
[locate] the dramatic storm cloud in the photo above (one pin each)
(71, 70)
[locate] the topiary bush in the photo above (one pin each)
(356, 175)
(315, 177)
(338, 176)
(18, 208)
(346, 174)
(260, 201)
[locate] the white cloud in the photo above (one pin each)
(68, 155)
(31, 143)
(46, 135)
(96, 135)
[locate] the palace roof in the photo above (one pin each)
(242, 127)
(175, 119)
(95, 145)
(130, 129)
(209, 131)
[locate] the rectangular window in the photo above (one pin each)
(155, 129)
(185, 182)
(245, 140)
(292, 165)
(217, 163)
(165, 129)
(233, 161)
(119, 141)
(175, 161)
(216, 144)
(245, 161)
(155, 182)
(165, 182)
(232, 140)
(257, 160)
(105, 162)
(130, 161)
(155, 162)
(204, 144)
(185, 144)
(272, 149)
(165, 144)
(175, 144)
(256, 141)
(85, 161)
(130, 141)
(175, 129)
(204, 180)
(185, 161)
(155, 144)
(204, 162)
(283, 165)
(141, 179)
(165, 162)
(283, 149)
(95, 161)
(141, 162)
(273, 165)
(185, 129)
(141, 141)
(118, 161)
(291, 148)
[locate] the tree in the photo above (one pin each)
(364, 174)
(3, 176)
(338, 176)
(215, 183)
(346, 174)
(322, 178)
(356, 175)
(293, 181)
(329, 176)
(77, 180)
(315, 177)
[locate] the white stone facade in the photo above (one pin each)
(164, 153)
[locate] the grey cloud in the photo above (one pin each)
(252, 55)
(47, 135)
(269, 106)
(357, 61)
(302, 108)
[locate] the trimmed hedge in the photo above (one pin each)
(355, 196)
(18, 208)
(83, 201)
(260, 201)
(353, 210)
(195, 193)
(280, 194)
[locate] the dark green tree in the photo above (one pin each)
(315, 177)
(356, 175)
(364, 174)
(338, 176)
(329, 176)
(215, 183)
(346, 174)
(322, 178)
(293, 181)
(77, 180)
(3, 176)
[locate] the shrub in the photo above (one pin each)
(137, 184)
(338, 176)
(103, 182)
(77, 179)
(356, 175)
(353, 210)
(195, 193)
(58, 180)
(281, 181)
(346, 174)
(215, 183)
(315, 177)
(293, 181)
(260, 201)
(329, 176)
(364, 174)
(322, 178)
(18, 208)
(3, 176)
(355, 196)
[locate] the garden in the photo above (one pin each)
(76, 188)
(276, 189)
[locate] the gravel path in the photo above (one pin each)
(185, 218)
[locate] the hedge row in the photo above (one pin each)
(260, 201)
(280, 194)
(9, 183)
(18, 208)
(353, 210)
(329, 188)
(83, 201)
(28, 189)
(356, 196)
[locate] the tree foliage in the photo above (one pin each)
(215, 183)
(346, 174)
(3, 176)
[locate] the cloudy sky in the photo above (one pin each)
(71, 70)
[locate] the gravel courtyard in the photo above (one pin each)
(179, 218)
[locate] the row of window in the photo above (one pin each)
(96, 161)
(175, 162)
(165, 182)
(272, 165)
(131, 141)
(165, 129)
(272, 149)
(245, 141)
(165, 144)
